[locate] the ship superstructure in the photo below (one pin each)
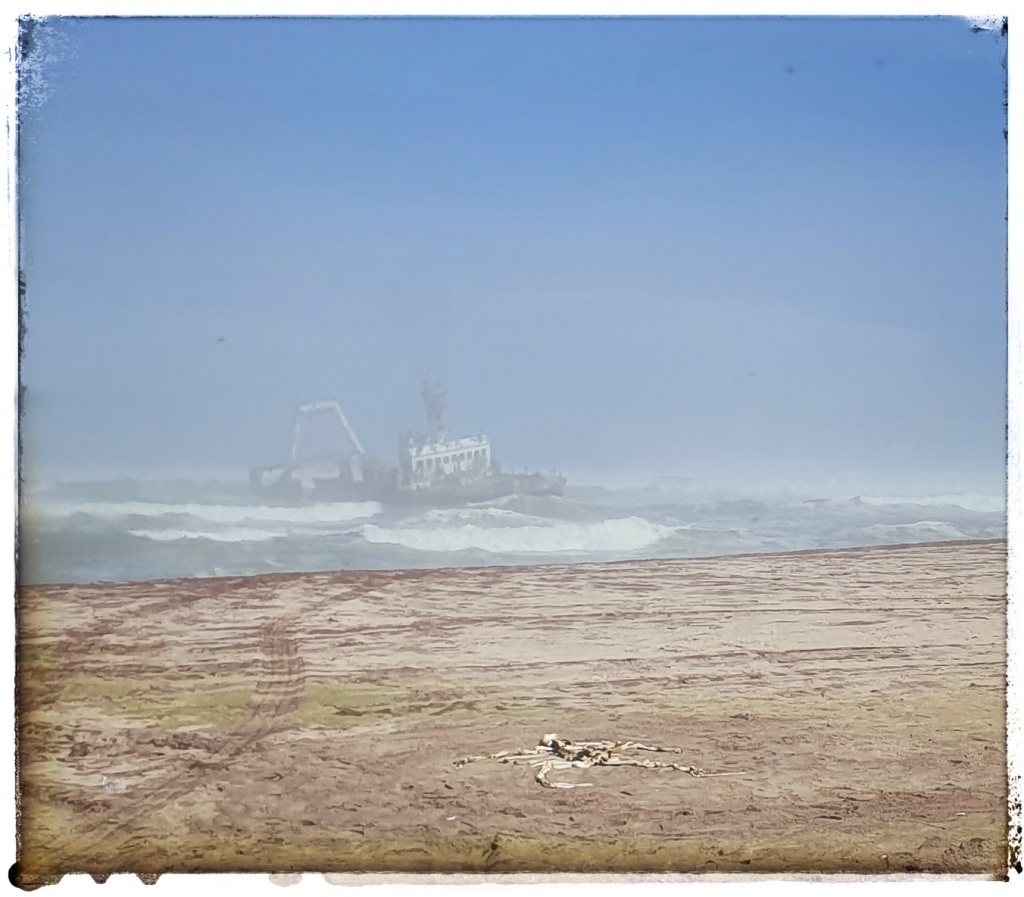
(428, 465)
(433, 459)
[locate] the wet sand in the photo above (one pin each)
(310, 721)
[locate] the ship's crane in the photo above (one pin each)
(280, 475)
(327, 407)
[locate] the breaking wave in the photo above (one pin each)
(225, 515)
(143, 529)
(622, 534)
(964, 501)
(234, 534)
(921, 531)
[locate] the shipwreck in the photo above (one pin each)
(434, 468)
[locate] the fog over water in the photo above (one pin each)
(741, 281)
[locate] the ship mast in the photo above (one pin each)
(435, 401)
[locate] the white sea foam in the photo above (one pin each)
(226, 515)
(921, 531)
(478, 516)
(968, 501)
(616, 535)
(232, 534)
(477, 512)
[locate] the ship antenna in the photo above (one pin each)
(435, 401)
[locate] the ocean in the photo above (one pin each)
(130, 528)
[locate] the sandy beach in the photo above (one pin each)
(310, 722)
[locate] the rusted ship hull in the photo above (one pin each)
(483, 489)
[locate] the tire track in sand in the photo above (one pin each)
(277, 694)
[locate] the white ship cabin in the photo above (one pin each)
(428, 464)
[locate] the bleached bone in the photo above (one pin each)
(554, 752)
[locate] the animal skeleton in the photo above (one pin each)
(555, 752)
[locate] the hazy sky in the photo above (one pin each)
(667, 245)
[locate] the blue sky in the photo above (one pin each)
(677, 246)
